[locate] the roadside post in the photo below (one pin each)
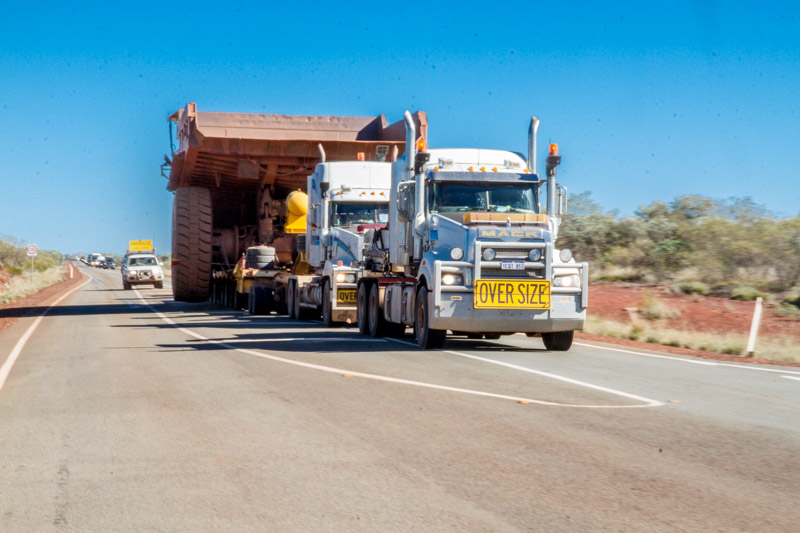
(751, 341)
(32, 252)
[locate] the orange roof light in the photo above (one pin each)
(421, 145)
(361, 156)
(553, 149)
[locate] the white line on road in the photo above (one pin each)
(388, 379)
(650, 402)
(791, 377)
(5, 370)
(692, 361)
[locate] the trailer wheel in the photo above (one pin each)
(361, 309)
(191, 244)
(256, 304)
(291, 296)
(427, 338)
(558, 341)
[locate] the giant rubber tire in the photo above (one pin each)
(361, 309)
(558, 341)
(192, 222)
(427, 339)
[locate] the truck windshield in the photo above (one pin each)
(450, 197)
(347, 214)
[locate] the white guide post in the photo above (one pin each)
(751, 341)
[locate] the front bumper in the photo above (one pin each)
(565, 314)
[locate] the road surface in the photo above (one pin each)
(125, 411)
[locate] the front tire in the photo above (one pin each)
(159, 285)
(558, 341)
(361, 309)
(327, 305)
(427, 338)
(374, 315)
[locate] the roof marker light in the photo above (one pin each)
(494, 169)
(470, 169)
(483, 169)
(553, 149)
(361, 156)
(421, 146)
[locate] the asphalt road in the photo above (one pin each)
(125, 411)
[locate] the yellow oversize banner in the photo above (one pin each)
(140, 246)
(512, 294)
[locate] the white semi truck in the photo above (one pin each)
(345, 199)
(468, 249)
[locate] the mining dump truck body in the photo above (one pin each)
(232, 172)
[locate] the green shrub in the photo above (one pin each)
(792, 299)
(693, 287)
(747, 293)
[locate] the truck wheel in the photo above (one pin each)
(491, 336)
(374, 315)
(291, 296)
(361, 309)
(558, 341)
(327, 307)
(126, 286)
(159, 285)
(255, 302)
(191, 244)
(427, 338)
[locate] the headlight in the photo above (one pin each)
(132, 274)
(456, 254)
(488, 254)
(350, 278)
(452, 279)
(565, 255)
(567, 281)
(340, 277)
(535, 254)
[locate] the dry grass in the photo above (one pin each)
(779, 348)
(21, 286)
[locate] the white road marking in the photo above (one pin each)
(304, 339)
(650, 402)
(5, 370)
(388, 379)
(692, 361)
(791, 377)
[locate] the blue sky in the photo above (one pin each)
(646, 103)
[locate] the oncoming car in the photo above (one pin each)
(141, 269)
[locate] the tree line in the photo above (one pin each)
(716, 243)
(14, 257)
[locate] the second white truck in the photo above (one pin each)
(345, 200)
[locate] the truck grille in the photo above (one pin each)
(496, 273)
(509, 253)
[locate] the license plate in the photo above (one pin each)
(512, 265)
(346, 296)
(512, 294)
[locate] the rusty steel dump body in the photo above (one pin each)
(232, 173)
(242, 151)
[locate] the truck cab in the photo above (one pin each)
(346, 199)
(471, 250)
